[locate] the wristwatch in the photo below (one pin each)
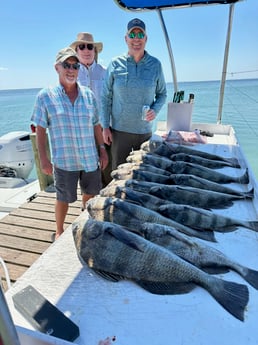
(102, 146)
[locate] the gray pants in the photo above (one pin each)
(123, 143)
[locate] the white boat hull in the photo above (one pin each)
(128, 314)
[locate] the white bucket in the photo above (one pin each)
(179, 116)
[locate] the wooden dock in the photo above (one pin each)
(26, 232)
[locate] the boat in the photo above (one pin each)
(16, 164)
(123, 313)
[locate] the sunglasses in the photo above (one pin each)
(89, 46)
(140, 35)
(67, 65)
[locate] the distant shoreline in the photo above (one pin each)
(168, 82)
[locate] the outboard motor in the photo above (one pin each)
(16, 155)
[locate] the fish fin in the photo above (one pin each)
(134, 202)
(224, 229)
(244, 179)
(109, 276)
(232, 296)
(177, 235)
(205, 235)
(154, 188)
(166, 288)
(226, 204)
(134, 230)
(124, 236)
(215, 269)
(249, 194)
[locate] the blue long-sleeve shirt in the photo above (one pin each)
(127, 87)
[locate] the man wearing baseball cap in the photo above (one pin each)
(136, 24)
(69, 112)
(134, 92)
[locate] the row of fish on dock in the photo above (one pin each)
(153, 223)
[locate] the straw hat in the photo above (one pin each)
(86, 37)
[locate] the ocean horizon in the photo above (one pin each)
(240, 109)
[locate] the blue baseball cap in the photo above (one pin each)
(135, 23)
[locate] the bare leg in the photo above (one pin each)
(61, 209)
(85, 198)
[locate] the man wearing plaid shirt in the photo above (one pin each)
(69, 112)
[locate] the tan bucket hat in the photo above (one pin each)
(86, 37)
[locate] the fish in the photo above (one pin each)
(199, 182)
(166, 149)
(146, 200)
(151, 145)
(141, 186)
(186, 179)
(209, 163)
(207, 173)
(201, 219)
(196, 252)
(178, 179)
(188, 168)
(110, 189)
(130, 215)
(115, 253)
(194, 217)
(150, 159)
(184, 195)
(140, 175)
(142, 166)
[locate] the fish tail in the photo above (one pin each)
(253, 225)
(249, 194)
(233, 161)
(244, 179)
(250, 275)
(232, 296)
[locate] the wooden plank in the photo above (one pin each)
(34, 214)
(16, 256)
(15, 271)
(27, 231)
(25, 244)
(48, 208)
(43, 200)
(35, 223)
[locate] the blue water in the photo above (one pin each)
(240, 109)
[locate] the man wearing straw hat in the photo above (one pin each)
(92, 74)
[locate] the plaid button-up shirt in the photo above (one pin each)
(70, 126)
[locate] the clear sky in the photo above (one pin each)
(31, 33)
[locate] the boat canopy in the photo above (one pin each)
(139, 5)
(160, 5)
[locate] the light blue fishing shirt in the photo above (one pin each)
(93, 77)
(127, 87)
(71, 127)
